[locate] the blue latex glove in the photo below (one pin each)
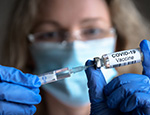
(132, 90)
(18, 92)
(128, 93)
(96, 83)
(145, 48)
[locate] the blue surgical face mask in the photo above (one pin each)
(51, 56)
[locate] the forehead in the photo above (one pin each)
(72, 11)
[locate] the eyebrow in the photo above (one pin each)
(51, 22)
(56, 24)
(90, 20)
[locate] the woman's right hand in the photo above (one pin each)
(19, 92)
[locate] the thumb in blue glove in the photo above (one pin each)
(96, 83)
(145, 48)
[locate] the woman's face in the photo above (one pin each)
(57, 18)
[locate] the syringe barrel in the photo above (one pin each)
(54, 75)
(120, 58)
(48, 77)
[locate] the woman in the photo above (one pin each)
(67, 29)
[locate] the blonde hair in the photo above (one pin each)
(15, 51)
(127, 21)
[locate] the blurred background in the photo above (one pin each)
(143, 6)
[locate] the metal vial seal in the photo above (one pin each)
(118, 59)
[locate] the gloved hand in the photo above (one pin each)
(132, 90)
(145, 48)
(18, 92)
(126, 94)
(96, 83)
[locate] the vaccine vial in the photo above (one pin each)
(120, 58)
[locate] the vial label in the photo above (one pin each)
(125, 57)
(48, 77)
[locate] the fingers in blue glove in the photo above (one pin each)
(124, 79)
(18, 91)
(19, 94)
(8, 108)
(120, 88)
(141, 111)
(96, 83)
(10, 74)
(137, 100)
(145, 48)
(114, 100)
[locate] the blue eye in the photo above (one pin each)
(49, 35)
(92, 31)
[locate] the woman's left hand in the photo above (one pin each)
(126, 94)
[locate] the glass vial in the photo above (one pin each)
(120, 58)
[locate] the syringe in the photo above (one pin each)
(60, 74)
(111, 60)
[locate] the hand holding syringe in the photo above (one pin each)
(111, 60)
